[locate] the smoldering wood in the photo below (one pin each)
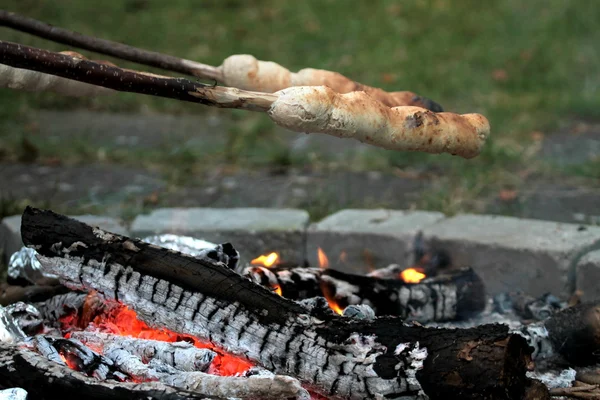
(45, 348)
(56, 307)
(181, 355)
(44, 379)
(112, 77)
(338, 357)
(453, 295)
(10, 294)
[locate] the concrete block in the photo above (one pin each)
(252, 231)
(360, 240)
(588, 276)
(512, 253)
(10, 230)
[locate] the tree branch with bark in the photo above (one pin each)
(241, 70)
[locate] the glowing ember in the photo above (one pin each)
(323, 260)
(118, 319)
(412, 275)
(266, 261)
(277, 289)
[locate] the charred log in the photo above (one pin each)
(575, 333)
(453, 295)
(10, 294)
(180, 355)
(44, 379)
(337, 357)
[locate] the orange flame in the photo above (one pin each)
(334, 306)
(277, 289)
(266, 261)
(329, 296)
(118, 319)
(323, 260)
(412, 275)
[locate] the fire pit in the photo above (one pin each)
(144, 321)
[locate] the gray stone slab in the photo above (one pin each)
(252, 231)
(516, 254)
(10, 230)
(360, 240)
(588, 276)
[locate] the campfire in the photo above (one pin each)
(142, 320)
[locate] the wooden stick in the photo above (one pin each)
(311, 109)
(110, 76)
(107, 47)
(241, 70)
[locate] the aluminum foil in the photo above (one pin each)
(10, 331)
(13, 394)
(27, 317)
(24, 264)
(199, 248)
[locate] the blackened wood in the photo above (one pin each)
(107, 47)
(575, 333)
(453, 295)
(337, 357)
(43, 379)
(10, 294)
(112, 77)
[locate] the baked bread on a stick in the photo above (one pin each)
(244, 71)
(358, 115)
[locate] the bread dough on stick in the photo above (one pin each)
(357, 115)
(244, 71)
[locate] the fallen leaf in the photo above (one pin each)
(507, 195)
(500, 75)
(537, 136)
(388, 78)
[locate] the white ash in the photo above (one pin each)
(537, 337)
(183, 356)
(555, 378)
(415, 357)
(305, 275)
(13, 394)
(343, 289)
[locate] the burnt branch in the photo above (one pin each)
(338, 357)
(44, 379)
(123, 80)
(451, 296)
(180, 355)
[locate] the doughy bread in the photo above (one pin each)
(357, 115)
(244, 71)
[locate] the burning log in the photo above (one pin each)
(453, 295)
(44, 379)
(180, 355)
(337, 357)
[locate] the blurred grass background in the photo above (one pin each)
(532, 67)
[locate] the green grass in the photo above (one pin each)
(526, 65)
